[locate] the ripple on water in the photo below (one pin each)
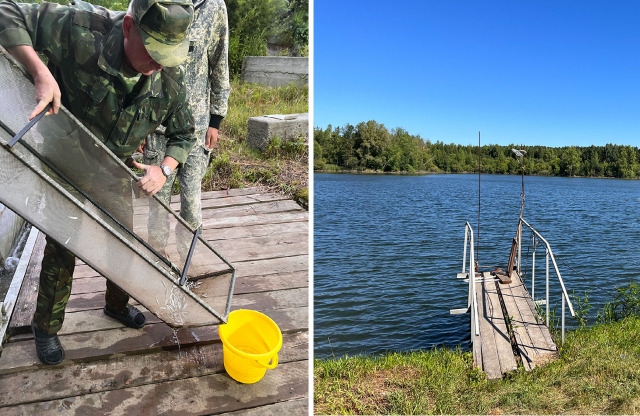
(387, 250)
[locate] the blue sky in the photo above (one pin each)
(554, 73)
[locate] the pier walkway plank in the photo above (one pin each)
(495, 351)
(115, 370)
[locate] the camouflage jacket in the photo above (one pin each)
(85, 47)
(207, 66)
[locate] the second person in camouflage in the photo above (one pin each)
(207, 80)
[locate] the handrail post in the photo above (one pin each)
(547, 295)
(519, 245)
(464, 255)
(533, 271)
(563, 319)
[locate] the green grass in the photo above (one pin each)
(283, 166)
(598, 373)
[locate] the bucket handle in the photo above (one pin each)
(274, 363)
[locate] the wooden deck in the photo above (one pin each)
(115, 370)
(503, 344)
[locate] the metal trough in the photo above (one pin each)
(63, 180)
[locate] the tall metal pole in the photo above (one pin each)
(479, 174)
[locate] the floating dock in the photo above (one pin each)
(507, 331)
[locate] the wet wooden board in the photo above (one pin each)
(532, 337)
(128, 371)
(119, 370)
(26, 302)
(496, 352)
(190, 396)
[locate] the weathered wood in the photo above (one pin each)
(258, 230)
(88, 346)
(272, 266)
(296, 407)
(535, 348)
(497, 354)
(59, 382)
(192, 396)
(26, 303)
(270, 218)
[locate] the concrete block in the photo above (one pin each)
(286, 126)
(275, 70)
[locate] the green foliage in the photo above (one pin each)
(287, 148)
(598, 373)
(251, 23)
(626, 303)
(295, 32)
(370, 146)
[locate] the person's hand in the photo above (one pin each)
(211, 138)
(47, 91)
(140, 148)
(153, 178)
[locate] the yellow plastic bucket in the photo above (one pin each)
(250, 345)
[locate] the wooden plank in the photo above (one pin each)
(537, 349)
(237, 210)
(88, 346)
(192, 396)
(258, 230)
(497, 354)
(26, 302)
(269, 218)
(296, 407)
(524, 342)
(59, 382)
(490, 363)
(272, 266)
(264, 247)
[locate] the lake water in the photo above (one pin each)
(387, 249)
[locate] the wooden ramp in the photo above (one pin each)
(511, 332)
(115, 370)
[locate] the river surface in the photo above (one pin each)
(387, 249)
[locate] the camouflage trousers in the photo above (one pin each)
(189, 178)
(56, 276)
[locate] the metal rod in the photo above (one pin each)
(464, 254)
(28, 126)
(533, 270)
(186, 263)
(479, 176)
(562, 319)
(547, 297)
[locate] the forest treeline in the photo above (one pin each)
(369, 146)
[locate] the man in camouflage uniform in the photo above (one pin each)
(207, 78)
(115, 72)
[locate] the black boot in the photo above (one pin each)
(48, 347)
(133, 318)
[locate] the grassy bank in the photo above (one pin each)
(283, 166)
(598, 373)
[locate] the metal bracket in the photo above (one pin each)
(186, 264)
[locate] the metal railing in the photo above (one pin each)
(472, 303)
(549, 255)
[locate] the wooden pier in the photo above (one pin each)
(115, 370)
(510, 330)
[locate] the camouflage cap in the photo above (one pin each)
(163, 26)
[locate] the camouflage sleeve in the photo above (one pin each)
(180, 130)
(219, 63)
(38, 25)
